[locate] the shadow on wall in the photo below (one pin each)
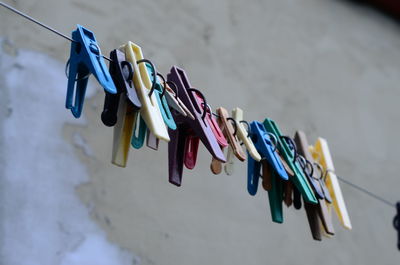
(386, 7)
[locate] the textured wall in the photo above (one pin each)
(327, 67)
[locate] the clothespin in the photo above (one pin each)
(190, 159)
(159, 93)
(230, 134)
(274, 186)
(85, 59)
(273, 170)
(150, 111)
(396, 224)
(121, 109)
(242, 135)
(175, 102)
(121, 72)
(298, 179)
(188, 128)
(139, 132)
(316, 214)
(322, 155)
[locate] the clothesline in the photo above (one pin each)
(355, 186)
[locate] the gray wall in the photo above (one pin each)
(327, 67)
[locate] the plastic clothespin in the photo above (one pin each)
(230, 134)
(176, 103)
(316, 214)
(298, 179)
(266, 149)
(242, 135)
(322, 155)
(121, 72)
(159, 92)
(188, 128)
(396, 224)
(190, 159)
(273, 170)
(150, 111)
(85, 59)
(161, 100)
(121, 109)
(274, 185)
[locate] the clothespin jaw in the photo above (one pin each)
(188, 128)
(121, 72)
(322, 155)
(139, 132)
(161, 100)
(150, 111)
(253, 175)
(298, 179)
(396, 224)
(85, 59)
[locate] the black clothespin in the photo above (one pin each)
(121, 72)
(396, 224)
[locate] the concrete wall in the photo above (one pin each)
(327, 67)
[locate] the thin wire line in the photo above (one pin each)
(41, 24)
(379, 198)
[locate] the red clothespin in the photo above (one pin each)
(182, 146)
(193, 143)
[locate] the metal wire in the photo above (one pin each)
(16, 11)
(377, 197)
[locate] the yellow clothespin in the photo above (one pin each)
(150, 110)
(242, 134)
(322, 155)
(121, 109)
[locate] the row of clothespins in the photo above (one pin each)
(141, 104)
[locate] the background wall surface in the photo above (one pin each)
(327, 67)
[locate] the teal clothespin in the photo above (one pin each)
(298, 179)
(275, 196)
(161, 100)
(139, 133)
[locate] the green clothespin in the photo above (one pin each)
(299, 179)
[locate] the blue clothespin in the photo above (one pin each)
(265, 147)
(85, 59)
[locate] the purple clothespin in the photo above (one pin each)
(178, 145)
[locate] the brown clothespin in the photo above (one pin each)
(317, 214)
